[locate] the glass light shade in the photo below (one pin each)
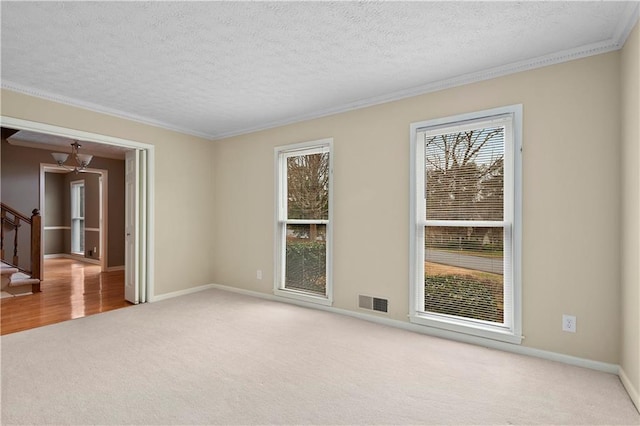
(84, 159)
(59, 157)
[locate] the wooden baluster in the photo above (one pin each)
(36, 249)
(16, 225)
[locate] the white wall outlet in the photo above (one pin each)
(569, 323)
(259, 274)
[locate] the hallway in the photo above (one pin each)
(70, 289)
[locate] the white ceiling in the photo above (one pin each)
(217, 69)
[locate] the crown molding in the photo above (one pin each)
(65, 100)
(616, 42)
(632, 14)
(515, 67)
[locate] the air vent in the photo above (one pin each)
(373, 303)
(380, 304)
(365, 302)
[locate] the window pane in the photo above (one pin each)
(308, 186)
(74, 201)
(464, 272)
(81, 232)
(77, 235)
(306, 258)
(465, 175)
(81, 200)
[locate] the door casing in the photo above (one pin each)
(104, 218)
(147, 260)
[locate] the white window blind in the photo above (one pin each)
(464, 218)
(303, 228)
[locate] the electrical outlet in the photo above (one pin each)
(259, 274)
(569, 323)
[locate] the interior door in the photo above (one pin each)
(131, 226)
(142, 234)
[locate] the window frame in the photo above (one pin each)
(511, 331)
(77, 205)
(281, 221)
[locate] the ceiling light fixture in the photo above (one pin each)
(82, 160)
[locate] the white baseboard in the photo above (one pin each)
(493, 344)
(72, 257)
(55, 256)
(631, 390)
(115, 268)
(180, 293)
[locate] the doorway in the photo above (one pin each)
(75, 215)
(138, 265)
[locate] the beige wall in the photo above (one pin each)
(630, 290)
(183, 185)
(571, 200)
(571, 211)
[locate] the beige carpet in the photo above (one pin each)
(216, 357)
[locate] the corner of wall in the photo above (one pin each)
(631, 390)
(630, 214)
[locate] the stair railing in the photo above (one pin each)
(13, 220)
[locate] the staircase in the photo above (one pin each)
(17, 278)
(16, 283)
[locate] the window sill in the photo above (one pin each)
(463, 327)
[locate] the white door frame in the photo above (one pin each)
(34, 126)
(104, 218)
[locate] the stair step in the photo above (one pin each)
(12, 277)
(23, 281)
(13, 292)
(20, 276)
(8, 270)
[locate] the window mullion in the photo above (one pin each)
(466, 223)
(305, 221)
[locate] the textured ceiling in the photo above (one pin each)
(222, 68)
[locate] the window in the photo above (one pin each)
(303, 228)
(77, 217)
(465, 223)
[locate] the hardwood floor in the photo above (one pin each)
(70, 289)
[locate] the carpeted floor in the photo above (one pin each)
(216, 357)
